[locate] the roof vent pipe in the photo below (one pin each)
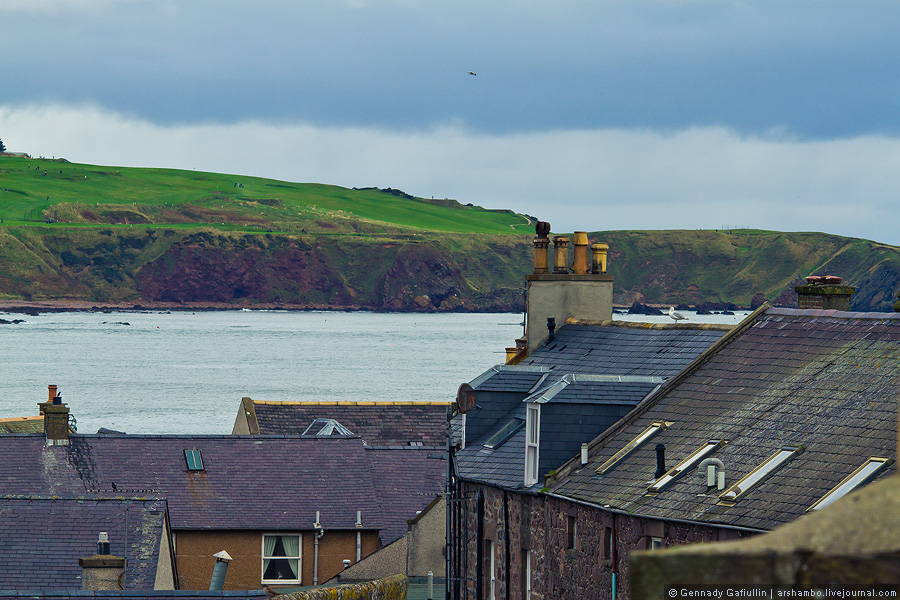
(660, 461)
(584, 454)
(713, 471)
(217, 583)
(551, 327)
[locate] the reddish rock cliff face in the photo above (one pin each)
(282, 270)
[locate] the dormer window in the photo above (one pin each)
(734, 493)
(642, 438)
(686, 465)
(532, 438)
(194, 460)
(852, 481)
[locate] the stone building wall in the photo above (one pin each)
(543, 525)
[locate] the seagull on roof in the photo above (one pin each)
(676, 315)
(473, 73)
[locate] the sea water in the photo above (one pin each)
(186, 372)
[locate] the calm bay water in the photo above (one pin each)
(184, 372)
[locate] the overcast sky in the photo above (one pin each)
(595, 114)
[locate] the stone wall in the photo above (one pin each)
(389, 588)
(544, 526)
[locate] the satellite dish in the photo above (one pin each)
(465, 398)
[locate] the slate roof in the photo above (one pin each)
(33, 424)
(824, 381)
(617, 348)
(406, 480)
(249, 482)
(378, 423)
(614, 363)
(56, 532)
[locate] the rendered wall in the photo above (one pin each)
(427, 539)
(587, 297)
(194, 560)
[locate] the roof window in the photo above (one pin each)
(734, 493)
(507, 431)
(326, 427)
(863, 474)
(687, 464)
(194, 460)
(633, 445)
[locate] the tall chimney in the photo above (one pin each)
(560, 254)
(102, 571)
(580, 262)
(824, 292)
(56, 419)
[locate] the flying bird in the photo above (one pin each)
(675, 315)
(473, 73)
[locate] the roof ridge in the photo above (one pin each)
(350, 403)
(834, 314)
(642, 325)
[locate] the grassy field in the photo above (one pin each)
(33, 191)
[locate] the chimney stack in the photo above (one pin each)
(824, 292)
(585, 293)
(56, 418)
(102, 571)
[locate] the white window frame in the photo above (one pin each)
(532, 443)
(760, 473)
(642, 438)
(298, 558)
(863, 474)
(686, 465)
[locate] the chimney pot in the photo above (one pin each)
(599, 251)
(560, 254)
(580, 265)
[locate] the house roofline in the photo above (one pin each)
(643, 516)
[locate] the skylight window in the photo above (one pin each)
(633, 445)
(734, 493)
(507, 431)
(687, 464)
(326, 427)
(864, 473)
(193, 460)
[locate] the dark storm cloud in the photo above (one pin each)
(815, 69)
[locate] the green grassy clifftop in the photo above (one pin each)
(109, 234)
